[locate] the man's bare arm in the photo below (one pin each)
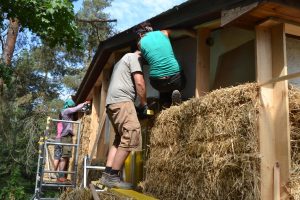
(174, 33)
(139, 82)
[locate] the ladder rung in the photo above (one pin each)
(64, 172)
(59, 143)
(67, 121)
(99, 190)
(58, 184)
(95, 167)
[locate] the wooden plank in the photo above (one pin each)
(281, 107)
(281, 78)
(203, 62)
(265, 125)
(94, 193)
(273, 125)
(132, 194)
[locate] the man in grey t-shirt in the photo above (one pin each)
(127, 81)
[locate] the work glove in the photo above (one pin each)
(86, 107)
(142, 111)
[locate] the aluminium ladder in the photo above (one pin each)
(43, 158)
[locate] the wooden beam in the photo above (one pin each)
(273, 122)
(203, 62)
(209, 25)
(292, 29)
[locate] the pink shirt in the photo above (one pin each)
(59, 129)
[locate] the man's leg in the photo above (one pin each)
(110, 158)
(57, 157)
(119, 160)
(112, 178)
(128, 138)
(66, 154)
(62, 167)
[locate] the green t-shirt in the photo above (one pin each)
(157, 50)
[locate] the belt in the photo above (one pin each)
(164, 77)
(161, 78)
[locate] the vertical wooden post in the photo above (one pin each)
(273, 124)
(94, 118)
(203, 62)
(101, 153)
(281, 104)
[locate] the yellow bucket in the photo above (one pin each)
(133, 168)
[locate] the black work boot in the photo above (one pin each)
(176, 97)
(114, 181)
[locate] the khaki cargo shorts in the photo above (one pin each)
(66, 150)
(126, 125)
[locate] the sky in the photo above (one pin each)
(131, 12)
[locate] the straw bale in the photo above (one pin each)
(206, 148)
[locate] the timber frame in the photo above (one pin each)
(271, 21)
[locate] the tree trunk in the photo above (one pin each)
(11, 39)
(12, 34)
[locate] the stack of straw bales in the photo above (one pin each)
(207, 148)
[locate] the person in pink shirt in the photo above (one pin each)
(58, 148)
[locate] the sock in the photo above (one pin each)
(61, 175)
(107, 169)
(114, 172)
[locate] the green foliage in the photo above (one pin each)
(52, 20)
(6, 73)
(14, 190)
(37, 77)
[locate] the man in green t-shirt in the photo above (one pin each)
(166, 75)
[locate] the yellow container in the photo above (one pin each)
(133, 167)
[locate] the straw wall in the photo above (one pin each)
(207, 148)
(84, 145)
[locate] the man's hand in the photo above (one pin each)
(142, 111)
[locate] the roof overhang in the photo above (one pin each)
(187, 15)
(256, 13)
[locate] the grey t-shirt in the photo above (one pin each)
(121, 87)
